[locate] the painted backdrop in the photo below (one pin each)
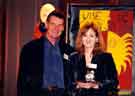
(116, 27)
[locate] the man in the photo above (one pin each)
(44, 63)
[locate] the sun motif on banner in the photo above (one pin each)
(99, 18)
(121, 49)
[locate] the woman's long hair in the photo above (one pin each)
(99, 46)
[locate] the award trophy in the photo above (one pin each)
(89, 77)
(90, 73)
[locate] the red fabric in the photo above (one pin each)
(122, 23)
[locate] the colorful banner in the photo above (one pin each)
(117, 28)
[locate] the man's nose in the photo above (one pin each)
(56, 28)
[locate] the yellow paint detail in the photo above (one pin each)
(45, 10)
(100, 18)
(119, 47)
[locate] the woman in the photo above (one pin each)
(94, 70)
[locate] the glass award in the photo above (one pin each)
(90, 72)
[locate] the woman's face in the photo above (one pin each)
(89, 38)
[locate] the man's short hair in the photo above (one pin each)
(57, 14)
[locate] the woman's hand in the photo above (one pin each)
(87, 85)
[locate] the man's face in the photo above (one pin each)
(55, 26)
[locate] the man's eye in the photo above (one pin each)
(52, 23)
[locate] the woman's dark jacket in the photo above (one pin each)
(105, 75)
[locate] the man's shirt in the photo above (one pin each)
(53, 74)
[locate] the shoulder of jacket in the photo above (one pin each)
(105, 54)
(74, 53)
(32, 43)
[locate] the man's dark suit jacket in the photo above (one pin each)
(105, 74)
(30, 76)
